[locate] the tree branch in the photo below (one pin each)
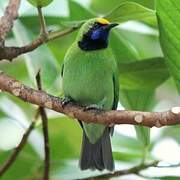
(41, 98)
(133, 170)
(45, 133)
(10, 53)
(6, 21)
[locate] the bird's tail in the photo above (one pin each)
(98, 155)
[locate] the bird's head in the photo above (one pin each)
(94, 34)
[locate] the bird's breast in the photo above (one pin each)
(88, 81)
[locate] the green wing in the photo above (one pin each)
(116, 90)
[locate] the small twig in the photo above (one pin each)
(7, 164)
(133, 170)
(41, 98)
(45, 133)
(43, 31)
(6, 21)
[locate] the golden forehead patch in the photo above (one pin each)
(102, 21)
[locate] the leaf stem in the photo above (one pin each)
(43, 31)
(145, 152)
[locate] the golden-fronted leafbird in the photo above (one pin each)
(90, 78)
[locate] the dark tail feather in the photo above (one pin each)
(98, 155)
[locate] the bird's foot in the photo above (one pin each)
(93, 107)
(66, 100)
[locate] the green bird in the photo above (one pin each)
(90, 78)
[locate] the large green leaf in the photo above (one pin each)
(139, 100)
(145, 42)
(104, 6)
(129, 99)
(131, 11)
(122, 49)
(168, 13)
(146, 74)
(78, 12)
(40, 59)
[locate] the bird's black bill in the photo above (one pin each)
(111, 25)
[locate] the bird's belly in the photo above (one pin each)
(89, 86)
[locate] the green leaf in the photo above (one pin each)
(131, 11)
(63, 146)
(139, 100)
(129, 143)
(26, 166)
(168, 15)
(126, 52)
(40, 59)
(127, 156)
(40, 3)
(146, 43)
(145, 74)
(171, 132)
(78, 12)
(122, 49)
(103, 6)
(127, 148)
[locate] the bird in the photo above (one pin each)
(90, 78)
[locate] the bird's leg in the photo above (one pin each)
(66, 100)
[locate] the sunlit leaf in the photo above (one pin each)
(131, 11)
(97, 6)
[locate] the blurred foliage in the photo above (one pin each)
(40, 3)
(142, 70)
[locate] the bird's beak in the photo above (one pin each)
(111, 25)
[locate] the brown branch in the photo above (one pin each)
(10, 53)
(133, 170)
(45, 133)
(41, 98)
(7, 164)
(6, 21)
